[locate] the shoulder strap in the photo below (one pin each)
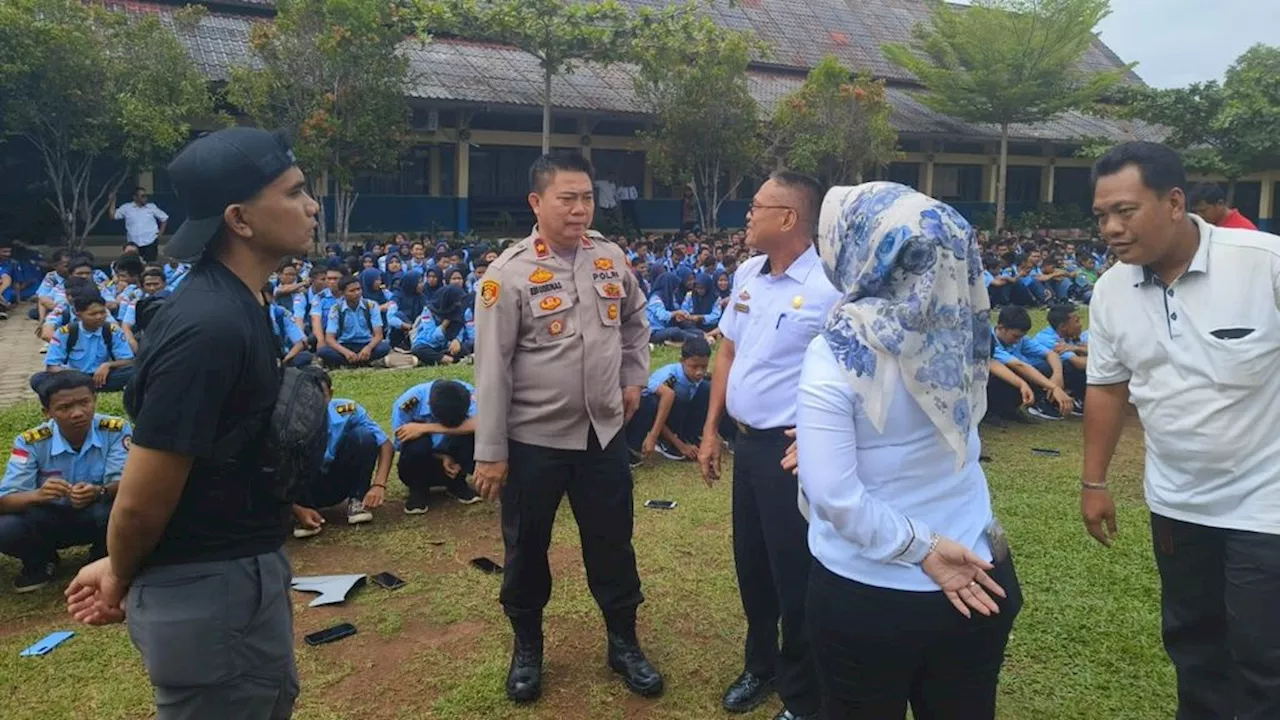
(109, 340)
(368, 314)
(73, 337)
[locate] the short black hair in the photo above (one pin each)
(1059, 314)
(347, 281)
(545, 167)
(1208, 194)
(449, 401)
(83, 301)
(78, 285)
(59, 255)
(695, 346)
(131, 264)
(810, 190)
(78, 263)
(285, 263)
(1014, 317)
(139, 189)
(1159, 165)
(54, 383)
(153, 272)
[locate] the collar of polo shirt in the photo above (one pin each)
(799, 268)
(1199, 261)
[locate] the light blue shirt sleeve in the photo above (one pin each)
(21, 473)
(375, 315)
(117, 453)
(1029, 348)
(119, 343)
(292, 333)
(129, 316)
(1000, 354)
(659, 316)
(664, 375)
(713, 317)
(299, 305)
(362, 419)
(331, 325)
(687, 305)
(58, 350)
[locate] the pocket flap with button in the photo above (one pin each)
(549, 304)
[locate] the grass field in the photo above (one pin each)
(1085, 646)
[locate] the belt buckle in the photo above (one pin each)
(743, 427)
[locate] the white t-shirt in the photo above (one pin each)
(606, 194)
(141, 222)
(1200, 357)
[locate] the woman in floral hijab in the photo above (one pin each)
(912, 594)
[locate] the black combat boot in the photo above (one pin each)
(627, 659)
(524, 678)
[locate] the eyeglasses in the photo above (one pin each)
(754, 207)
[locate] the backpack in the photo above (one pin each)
(298, 431)
(109, 330)
(342, 315)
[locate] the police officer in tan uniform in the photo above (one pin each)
(561, 356)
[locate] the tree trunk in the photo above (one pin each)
(318, 185)
(1231, 191)
(546, 109)
(1002, 176)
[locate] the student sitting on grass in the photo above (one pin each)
(673, 407)
(90, 345)
(357, 463)
(444, 335)
(293, 344)
(669, 324)
(1067, 337)
(60, 480)
(434, 429)
(700, 305)
(134, 319)
(1038, 365)
(353, 333)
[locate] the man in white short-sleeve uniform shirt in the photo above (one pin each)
(143, 223)
(1187, 327)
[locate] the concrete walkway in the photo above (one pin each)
(19, 357)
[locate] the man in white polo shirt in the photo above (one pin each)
(143, 222)
(1187, 327)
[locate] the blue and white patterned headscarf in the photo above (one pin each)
(914, 304)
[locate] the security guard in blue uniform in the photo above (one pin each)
(434, 428)
(356, 450)
(61, 479)
(353, 334)
(91, 345)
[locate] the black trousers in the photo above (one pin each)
(598, 482)
(1218, 591)
(149, 253)
(34, 535)
(1074, 379)
(348, 476)
(685, 420)
(429, 356)
(1003, 399)
(771, 553)
(420, 469)
(877, 649)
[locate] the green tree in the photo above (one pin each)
(100, 95)
(561, 34)
(834, 126)
(1230, 128)
(1005, 62)
(331, 73)
(706, 126)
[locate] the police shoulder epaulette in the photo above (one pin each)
(510, 253)
(410, 404)
(114, 424)
(36, 434)
(346, 408)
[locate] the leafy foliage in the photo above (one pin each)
(332, 74)
(706, 125)
(1005, 62)
(99, 94)
(834, 126)
(561, 34)
(1230, 128)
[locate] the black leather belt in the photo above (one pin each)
(747, 431)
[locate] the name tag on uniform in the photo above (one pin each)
(741, 307)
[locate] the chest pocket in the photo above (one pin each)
(1242, 355)
(552, 321)
(611, 293)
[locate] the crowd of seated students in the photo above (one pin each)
(1032, 272)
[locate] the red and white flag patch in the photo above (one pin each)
(19, 456)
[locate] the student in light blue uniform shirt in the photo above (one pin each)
(700, 304)
(60, 480)
(353, 333)
(1038, 365)
(293, 343)
(673, 407)
(667, 322)
(445, 335)
(357, 463)
(49, 283)
(434, 428)
(1066, 336)
(174, 273)
(92, 346)
(320, 299)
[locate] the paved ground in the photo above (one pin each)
(19, 357)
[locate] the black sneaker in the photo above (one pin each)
(636, 458)
(1044, 410)
(416, 503)
(1077, 408)
(34, 577)
(465, 494)
(669, 452)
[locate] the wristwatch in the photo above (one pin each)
(102, 491)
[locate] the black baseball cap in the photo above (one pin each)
(221, 169)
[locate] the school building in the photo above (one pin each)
(477, 121)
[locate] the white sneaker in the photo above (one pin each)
(44, 347)
(301, 532)
(356, 513)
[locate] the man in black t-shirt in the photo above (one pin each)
(196, 533)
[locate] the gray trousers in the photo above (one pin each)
(217, 638)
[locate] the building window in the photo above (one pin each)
(962, 148)
(909, 145)
(1022, 185)
(624, 167)
(957, 183)
(1026, 149)
(905, 174)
